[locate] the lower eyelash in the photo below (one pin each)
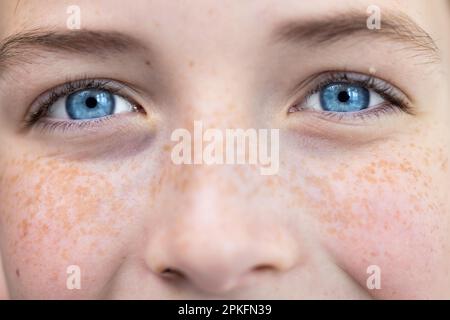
(64, 126)
(385, 108)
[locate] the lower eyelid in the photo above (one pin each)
(362, 118)
(349, 129)
(76, 127)
(104, 138)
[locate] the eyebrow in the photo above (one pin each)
(18, 48)
(395, 26)
(319, 31)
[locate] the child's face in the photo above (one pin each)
(355, 188)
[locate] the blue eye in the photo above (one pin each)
(343, 97)
(90, 104)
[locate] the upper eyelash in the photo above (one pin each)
(383, 88)
(67, 89)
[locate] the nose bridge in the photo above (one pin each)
(221, 110)
(214, 89)
(214, 144)
(210, 195)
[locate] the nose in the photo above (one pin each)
(215, 245)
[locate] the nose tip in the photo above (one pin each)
(214, 240)
(219, 268)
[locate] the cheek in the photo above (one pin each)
(55, 214)
(390, 212)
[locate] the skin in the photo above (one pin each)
(346, 196)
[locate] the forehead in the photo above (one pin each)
(202, 28)
(234, 17)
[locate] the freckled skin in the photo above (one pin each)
(342, 201)
(63, 207)
(368, 215)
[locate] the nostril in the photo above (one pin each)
(171, 273)
(263, 267)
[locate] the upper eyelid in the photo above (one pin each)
(369, 81)
(73, 86)
(300, 86)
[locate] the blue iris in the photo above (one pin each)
(89, 104)
(344, 97)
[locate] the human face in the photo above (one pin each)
(354, 189)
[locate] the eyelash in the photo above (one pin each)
(395, 100)
(44, 104)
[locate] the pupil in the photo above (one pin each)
(91, 102)
(343, 96)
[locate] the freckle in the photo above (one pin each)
(191, 64)
(24, 224)
(231, 107)
(147, 63)
(65, 254)
(397, 215)
(444, 165)
(14, 178)
(340, 175)
(270, 182)
(18, 273)
(44, 228)
(54, 276)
